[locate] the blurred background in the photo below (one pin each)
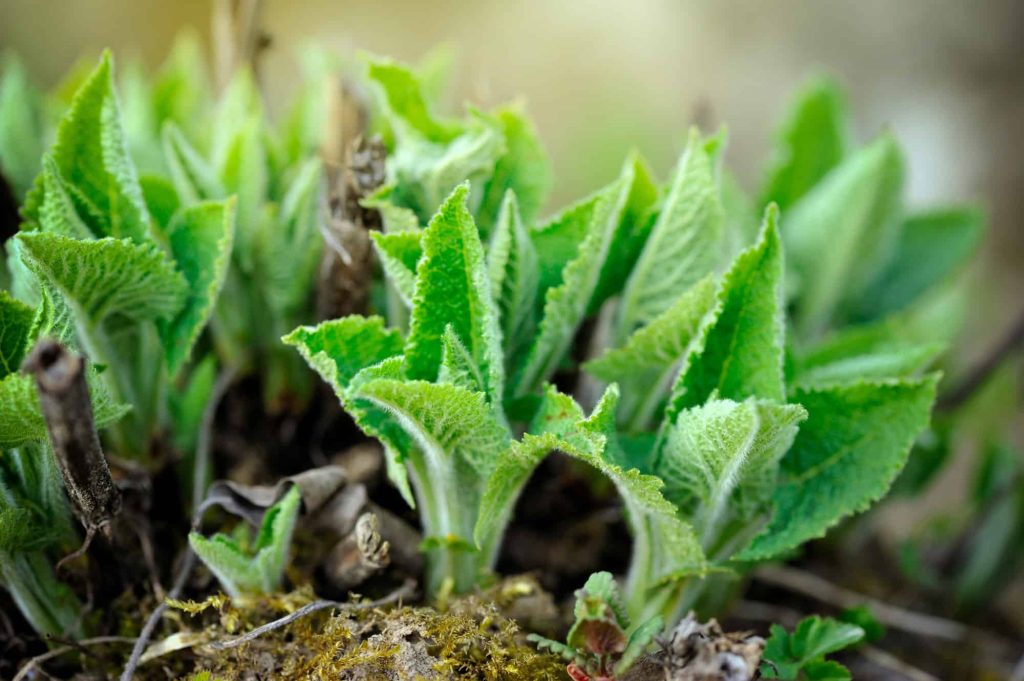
(602, 76)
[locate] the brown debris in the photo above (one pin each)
(358, 556)
(346, 271)
(702, 652)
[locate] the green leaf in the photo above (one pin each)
(445, 420)
(843, 231)
(635, 223)
(21, 137)
(567, 303)
(16, 324)
(742, 354)
(193, 178)
(340, 349)
(855, 441)
(457, 365)
(684, 244)
(57, 213)
(524, 169)
(452, 289)
(287, 283)
(399, 254)
(106, 276)
(668, 545)
(805, 649)
(405, 103)
(812, 140)
(161, 198)
(647, 363)
(872, 352)
(21, 420)
(244, 171)
(513, 271)
(237, 571)
(275, 537)
(639, 640)
(720, 460)
(930, 248)
(426, 172)
(91, 154)
(200, 239)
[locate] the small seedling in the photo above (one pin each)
(801, 654)
(242, 570)
(601, 645)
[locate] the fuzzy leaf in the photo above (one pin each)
(244, 171)
(275, 537)
(846, 455)
(21, 138)
(399, 254)
(57, 213)
(513, 271)
(193, 178)
(742, 354)
(200, 239)
(406, 104)
(91, 154)
(16, 324)
(720, 460)
(843, 231)
(106, 276)
(566, 305)
(524, 169)
(646, 364)
(452, 289)
(873, 352)
(930, 248)
(21, 419)
(449, 421)
(812, 140)
(340, 349)
(684, 244)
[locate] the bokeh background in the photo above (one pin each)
(602, 76)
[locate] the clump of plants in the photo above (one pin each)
(744, 373)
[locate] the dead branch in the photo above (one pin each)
(67, 409)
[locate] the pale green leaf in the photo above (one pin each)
(57, 213)
(244, 171)
(930, 248)
(812, 140)
(106, 276)
(513, 271)
(566, 304)
(685, 242)
(452, 289)
(742, 354)
(340, 349)
(16, 325)
(21, 136)
(872, 352)
(645, 366)
(406, 105)
(193, 178)
(457, 364)
(720, 460)
(399, 254)
(200, 238)
(91, 154)
(524, 169)
(840, 234)
(161, 198)
(855, 441)
(21, 420)
(275, 537)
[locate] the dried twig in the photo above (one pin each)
(979, 374)
(887, 660)
(67, 409)
(57, 652)
(405, 591)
